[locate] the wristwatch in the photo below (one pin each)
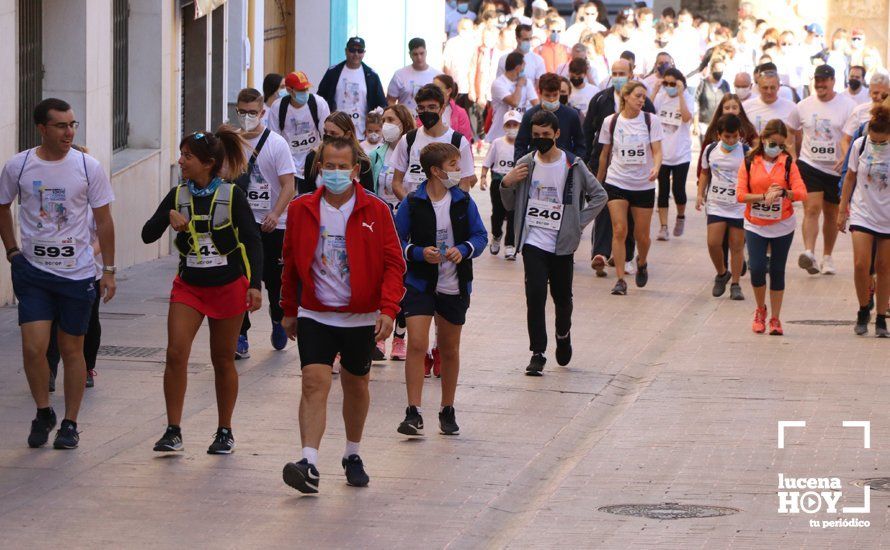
(109, 269)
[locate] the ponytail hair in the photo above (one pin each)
(225, 149)
(880, 119)
(773, 127)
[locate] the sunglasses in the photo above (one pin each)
(356, 50)
(669, 84)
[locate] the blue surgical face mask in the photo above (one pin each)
(671, 91)
(619, 82)
(301, 97)
(463, 8)
(554, 37)
(336, 181)
(728, 147)
(521, 74)
(282, 92)
(878, 148)
(550, 105)
(772, 151)
(525, 46)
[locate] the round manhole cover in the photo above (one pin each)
(668, 510)
(822, 322)
(876, 483)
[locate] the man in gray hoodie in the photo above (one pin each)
(553, 196)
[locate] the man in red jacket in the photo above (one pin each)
(342, 282)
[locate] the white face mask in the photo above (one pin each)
(249, 122)
(391, 132)
(373, 137)
(453, 178)
(511, 132)
(743, 93)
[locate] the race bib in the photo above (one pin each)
(763, 211)
(305, 138)
(671, 118)
(414, 175)
(722, 192)
(259, 196)
(632, 153)
(59, 253)
(502, 166)
(210, 256)
(544, 214)
(823, 151)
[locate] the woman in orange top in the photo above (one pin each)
(768, 183)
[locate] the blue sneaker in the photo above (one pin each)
(241, 351)
(279, 337)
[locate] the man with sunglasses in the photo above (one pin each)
(54, 271)
(353, 87)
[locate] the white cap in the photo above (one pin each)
(512, 116)
(540, 5)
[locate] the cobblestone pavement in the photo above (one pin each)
(669, 399)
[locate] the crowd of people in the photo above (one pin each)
(351, 205)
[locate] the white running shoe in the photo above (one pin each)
(510, 253)
(828, 266)
(495, 246)
(630, 268)
(807, 261)
(663, 233)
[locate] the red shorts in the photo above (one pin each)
(216, 302)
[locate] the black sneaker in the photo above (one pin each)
(413, 423)
(223, 442)
(720, 284)
(447, 423)
(620, 288)
(66, 437)
(171, 442)
(40, 428)
(355, 471)
(881, 327)
(90, 375)
(735, 292)
(862, 319)
(377, 354)
(536, 365)
(744, 267)
(563, 350)
(302, 476)
(642, 276)
(52, 381)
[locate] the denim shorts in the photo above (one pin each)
(44, 296)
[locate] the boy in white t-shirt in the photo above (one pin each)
(500, 161)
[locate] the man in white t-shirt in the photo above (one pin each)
(586, 20)
(407, 80)
(513, 90)
(855, 89)
(269, 186)
(407, 171)
(54, 272)
(582, 90)
(579, 51)
(534, 63)
(353, 87)
(768, 106)
(822, 118)
(299, 118)
(878, 91)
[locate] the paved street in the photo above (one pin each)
(669, 399)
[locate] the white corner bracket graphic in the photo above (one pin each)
(866, 430)
(866, 503)
(788, 424)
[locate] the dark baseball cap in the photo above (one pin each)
(356, 42)
(824, 71)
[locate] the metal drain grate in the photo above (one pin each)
(822, 322)
(668, 510)
(876, 483)
(127, 351)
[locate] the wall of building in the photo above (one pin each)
(8, 116)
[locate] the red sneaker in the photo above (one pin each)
(775, 327)
(427, 364)
(759, 325)
(398, 352)
(437, 363)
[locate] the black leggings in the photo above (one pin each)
(777, 248)
(272, 244)
(499, 214)
(91, 340)
(665, 174)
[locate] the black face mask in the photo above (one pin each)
(428, 119)
(542, 145)
(717, 75)
(564, 99)
(577, 82)
(854, 84)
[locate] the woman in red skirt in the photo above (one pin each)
(219, 277)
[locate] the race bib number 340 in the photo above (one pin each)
(544, 214)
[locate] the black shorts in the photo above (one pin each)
(319, 344)
(738, 223)
(451, 307)
(637, 199)
(872, 232)
(818, 181)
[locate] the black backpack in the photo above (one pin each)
(411, 136)
(707, 156)
(788, 162)
(285, 103)
(243, 181)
